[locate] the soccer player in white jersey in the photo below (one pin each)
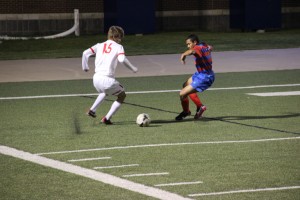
(107, 54)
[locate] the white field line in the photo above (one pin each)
(274, 94)
(169, 144)
(245, 191)
(148, 174)
(117, 166)
(92, 174)
(47, 96)
(144, 92)
(257, 86)
(180, 183)
(88, 159)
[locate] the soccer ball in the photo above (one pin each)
(143, 120)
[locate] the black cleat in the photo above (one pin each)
(182, 115)
(106, 121)
(91, 114)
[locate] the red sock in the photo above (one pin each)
(194, 97)
(185, 105)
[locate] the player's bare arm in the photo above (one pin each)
(185, 54)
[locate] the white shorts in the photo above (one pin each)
(107, 85)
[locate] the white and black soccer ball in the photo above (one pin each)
(143, 120)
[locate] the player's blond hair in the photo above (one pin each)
(115, 33)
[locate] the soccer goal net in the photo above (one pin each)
(75, 29)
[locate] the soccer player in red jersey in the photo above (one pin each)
(202, 79)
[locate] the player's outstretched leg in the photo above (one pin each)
(186, 111)
(194, 97)
(114, 108)
(98, 101)
(188, 89)
(200, 107)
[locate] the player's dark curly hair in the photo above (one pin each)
(193, 38)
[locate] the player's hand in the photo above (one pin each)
(182, 59)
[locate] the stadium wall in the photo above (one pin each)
(44, 17)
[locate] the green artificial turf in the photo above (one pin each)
(59, 124)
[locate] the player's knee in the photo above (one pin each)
(182, 96)
(121, 97)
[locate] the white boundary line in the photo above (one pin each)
(143, 92)
(168, 144)
(148, 174)
(117, 166)
(47, 96)
(88, 159)
(92, 174)
(180, 183)
(273, 94)
(244, 191)
(257, 86)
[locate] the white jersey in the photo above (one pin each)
(107, 56)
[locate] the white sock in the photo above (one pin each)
(113, 109)
(98, 101)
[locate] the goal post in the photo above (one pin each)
(75, 29)
(76, 22)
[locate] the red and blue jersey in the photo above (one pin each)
(203, 59)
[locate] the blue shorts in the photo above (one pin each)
(202, 81)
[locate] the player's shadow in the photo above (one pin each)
(171, 121)
(235, 120)
(255, 117)
(225, 119)
(220, 118)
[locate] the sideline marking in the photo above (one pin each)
(181, 183)
(257, 86)
(244, 191)
(88, 159)
(144, 92)
(148, 174)
(274, 94)
(168, 144)
(47, 96)
(117, 166)
(92, 174)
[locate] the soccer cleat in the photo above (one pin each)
(200, 112)
(91, 114)
(182, 115)
(106, 121)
